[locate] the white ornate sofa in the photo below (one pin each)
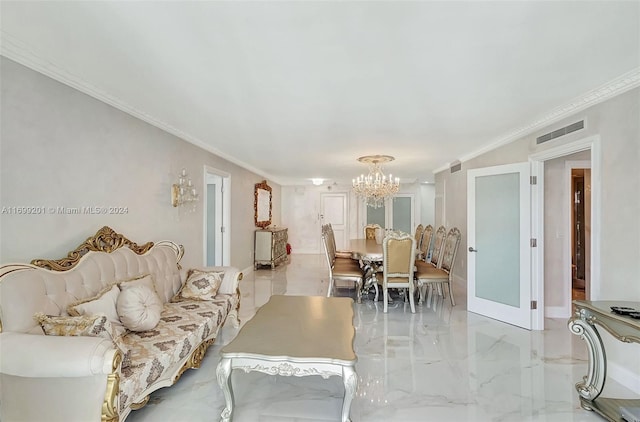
(84, 378)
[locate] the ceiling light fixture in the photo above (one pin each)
(183, 193)
(375, 187)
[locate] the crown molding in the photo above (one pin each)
(14, 49)
(609, 90)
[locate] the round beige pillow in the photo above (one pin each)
(139, 308)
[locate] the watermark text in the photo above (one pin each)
(61, 210)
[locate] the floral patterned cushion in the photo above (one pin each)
(85, 325)
(200, 285)
(182, 327)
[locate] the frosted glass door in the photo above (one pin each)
(216, 209)
(397, 216)
(499, 279)
(376, 216)
(402, 214)
(498, 208)
(212, 227)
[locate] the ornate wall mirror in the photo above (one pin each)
(262, 204)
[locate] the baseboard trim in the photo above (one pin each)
(460, 283)
(556, 312)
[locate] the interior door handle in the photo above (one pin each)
(472, 250)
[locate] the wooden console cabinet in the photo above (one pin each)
(588, 317)
(270, 247)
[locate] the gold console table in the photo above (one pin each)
(589, 315)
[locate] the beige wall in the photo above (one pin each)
(617, 123)
(62, 148)
(427, 207)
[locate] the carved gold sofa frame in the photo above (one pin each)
(78, 378)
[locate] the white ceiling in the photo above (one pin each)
(295, 90)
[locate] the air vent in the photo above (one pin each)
(560, 132)
(456, 166)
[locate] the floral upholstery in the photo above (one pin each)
(182, 327)
(105, 382)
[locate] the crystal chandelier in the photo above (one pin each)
(375, 187)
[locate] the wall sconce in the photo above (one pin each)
(184, 193)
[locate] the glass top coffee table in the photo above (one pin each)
(294, 336)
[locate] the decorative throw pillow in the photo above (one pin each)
(200, 285)
(97, 325)
(139, 308)
(103, 303)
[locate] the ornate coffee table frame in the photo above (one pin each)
(256, 348)
(584, 323)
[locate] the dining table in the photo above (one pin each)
(366, 250)
(369, 253)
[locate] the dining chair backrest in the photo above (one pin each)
(398, 260)
(450, 249)
(438, 241)
(326, 247)
(331, 236)
(370, 231)
(418, 235)
(425, 243)
(328, 244)
(398, 252)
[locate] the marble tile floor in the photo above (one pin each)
(440, 364)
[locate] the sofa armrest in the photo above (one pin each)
(231, 280)
(33, 355)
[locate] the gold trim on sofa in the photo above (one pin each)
(110, 405)
(140, 405)
(105, 240)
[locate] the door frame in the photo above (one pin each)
(226, 214)
(537, 160)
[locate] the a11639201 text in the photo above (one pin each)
(62, 210)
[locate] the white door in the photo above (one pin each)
(498, 243)
(333, 209)
(216, 219)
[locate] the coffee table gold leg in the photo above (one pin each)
(223, 373)
(350, 380)
(593, 383)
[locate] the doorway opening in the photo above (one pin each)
(553, 300)
(217, 207)
(580, 232)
